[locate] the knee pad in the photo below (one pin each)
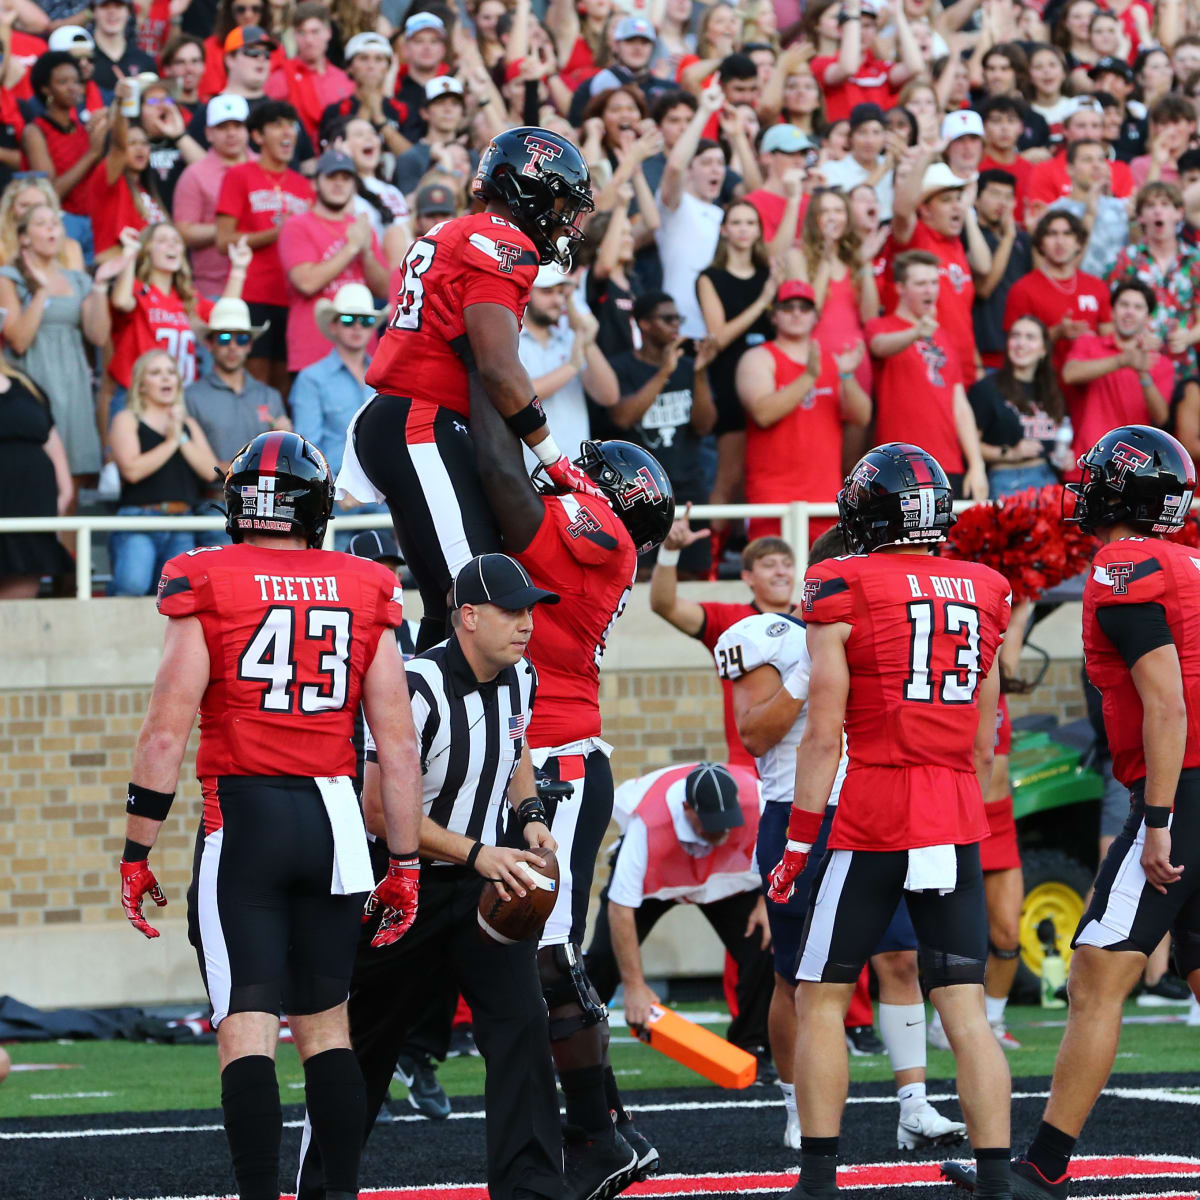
(1187, 951)
(945, 970)
(565, 985)
(1006, 955)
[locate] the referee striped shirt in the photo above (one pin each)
(470, 736)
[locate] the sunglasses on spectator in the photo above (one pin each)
(150, 101)
(242, 339)
(796, 306)
(348, 319)
(257, 52)
(242, 9)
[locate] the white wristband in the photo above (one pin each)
(798, 847)
(795, 683)
(547, 451)
(667, 558)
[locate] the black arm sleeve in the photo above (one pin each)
(1135, 629)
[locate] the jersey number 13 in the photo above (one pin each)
(957, 686)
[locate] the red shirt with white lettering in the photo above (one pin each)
(262, 200)
(956, 295)
(870, 84)
(159, 321)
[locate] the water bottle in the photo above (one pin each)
(1054, 970)
(1061, 456)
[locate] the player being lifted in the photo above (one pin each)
(465, 286)
(903, 648)
(588, 546)
(275, 642)
(1142, 649)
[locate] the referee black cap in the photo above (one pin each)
(711, 793)
(376, 544)
(499, 580)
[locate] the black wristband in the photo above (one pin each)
(531, 809)
(146, 802)
(474, 854)
(405, 858)
(135, 852)
(527, 420)
(1157, 816)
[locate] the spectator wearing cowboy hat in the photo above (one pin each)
(327, 394)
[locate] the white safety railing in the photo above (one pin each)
(794, 521)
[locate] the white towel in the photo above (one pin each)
(351, 862)
(352, 480)
(932, 867)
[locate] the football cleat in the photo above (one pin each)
(647, 1155)
(597, 1167)
(1028, 1183)
(925, 1126)
(791, 1135)
(425, 1093)
(798, 1192)
(1006, 1039)
(863, 1040)
(1169, 990)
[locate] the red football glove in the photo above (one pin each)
(565, 474)
(397, 892)
(783, 877)
(137, 880)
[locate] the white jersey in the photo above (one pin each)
(779, 640)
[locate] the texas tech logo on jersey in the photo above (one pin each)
(508, 256)
(811, 588)
(1126, 459)
(644, 489)
(859, 484)
(540, 151)
(1116, 575)
(935, 361)
(584, 522)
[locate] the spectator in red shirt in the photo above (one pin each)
(310, 82)
(256, 199)
(1003, 125)
(855, 75)
(919, 393)
(1122, 381)
(783, 150)
(962, 132)
(78, 43)
(233, 15)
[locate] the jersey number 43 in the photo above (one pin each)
(270, 656)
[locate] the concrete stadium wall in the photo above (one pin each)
(75, 679)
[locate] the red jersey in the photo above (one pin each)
(262, 200)
(1049, 181)
(924, 632)
(290, 636)
(1003, 727)
(915, 391)
(113, 207)
(956, 295)
(159, 321)
(770, 207)
(66, 148)
(718, 618)
(583, 552)
(870, 84)
(1142, 571)
(476, 259)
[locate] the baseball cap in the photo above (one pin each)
(963, 122)
(333, 161)
(1077, 104)
(370, 40)
(434, 199)
(379, 545)
(632, 27)
(551, 275)
(1111, 66)
(499, 580)
(711, 792)
(785, 139)
(860, 114)
(71, 37)
(795, 289)
(424, 20)
(939, 178)
(247, 35)
(226, 107)
(442, 85)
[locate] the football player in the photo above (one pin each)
(465, 285)
(903, 648)
(1143, 653)
(765, 657)
(584, 548)
(275, 641)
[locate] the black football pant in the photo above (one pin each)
(728, 917)
(422, 458)
(389, 995)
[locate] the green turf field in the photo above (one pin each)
(133, 1077)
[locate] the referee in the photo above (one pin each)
(471, 698)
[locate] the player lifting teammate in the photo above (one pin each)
(465, 286)
(584, 548)
(275, 642)
(1142, 650)
(903, 649)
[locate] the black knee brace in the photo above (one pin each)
(565, 985)
(1007, 955)
(944, 970)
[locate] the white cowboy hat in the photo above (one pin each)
(233, 316)
(352, 299)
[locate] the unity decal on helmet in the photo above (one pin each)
(643, 490)
(859, 483)
(919, 508)
(1174, 510)
(1126, 458)
(540, 151)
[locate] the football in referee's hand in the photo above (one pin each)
(520, 917)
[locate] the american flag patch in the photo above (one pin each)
(516, 727)
(1172, 501)
(910, 503)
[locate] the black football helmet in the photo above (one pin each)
(896, 494)
(545, 183)
(1135, 475)
(279, 483)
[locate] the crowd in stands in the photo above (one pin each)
(820, 225)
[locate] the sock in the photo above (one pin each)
(993, 1175)
(336, 1097)
(253, 1124)
(586, 1102)
(911, 1096)
(902, 1028)
(818, 1163)
(612, 1097)
(1050, 1151)
(995, 1006)
(789, 1098)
